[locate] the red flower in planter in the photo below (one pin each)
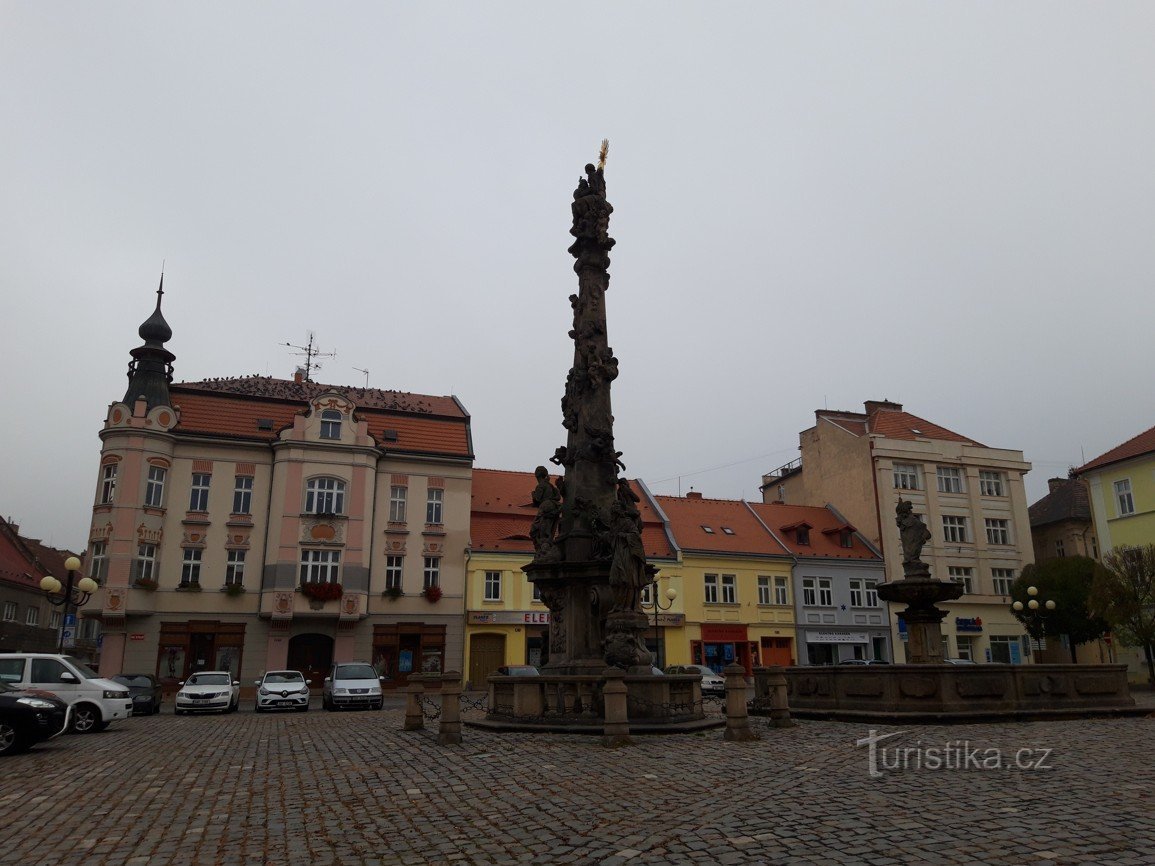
(433, 593)
(322, 591)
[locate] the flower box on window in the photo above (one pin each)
(393, 593)
(145, 583)
(234, 589)
(432, 594)
(322, 591)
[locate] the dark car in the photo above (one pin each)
(145, 692)
(27, 718)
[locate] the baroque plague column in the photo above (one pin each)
(589, 563)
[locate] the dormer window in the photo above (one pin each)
(846, 538)
(802, 535)
(330, 424)
(706, 529)
(726, 530)
(325, 496)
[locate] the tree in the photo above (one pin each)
(1124, 594)
(1067, 582)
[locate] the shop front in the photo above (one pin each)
(723, 645)
(198, 645)
(833, 646)
(402, 649)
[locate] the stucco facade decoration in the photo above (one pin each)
(254, 523)
(505, 621)
(970, 496)
(836, 570)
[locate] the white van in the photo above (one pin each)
(95, 702)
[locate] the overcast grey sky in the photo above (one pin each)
(949, 205)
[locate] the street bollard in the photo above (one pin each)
(616, 732)
(449, 730)
(737, 721)
(414, 719)
(779, 702)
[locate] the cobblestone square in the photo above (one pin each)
(354, 788)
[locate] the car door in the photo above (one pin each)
(46, 675)
(12, 671)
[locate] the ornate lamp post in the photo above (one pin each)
(1035, 620)
(655, 602)
(71, 594)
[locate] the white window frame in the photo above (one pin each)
(235, 568)
(32, 615)
(991, 483)
(394, 571)
(492, 586)
(963, 574)
(98, 561)
(330, 424)
(55, 619)
(954, 529)
(781, 591)
(809, 592)
(1003, 579)
(190, 567)
(242, 494)
(108, 484)
(198, 498)
(435, 506)
(144, 567)
(11, 611)
(325, 495)
(647, 595)
(906, 476)
(431, 573)
(763, 590)
(825, 592)
(710, 584)
(154, 487)
(966, 646)
(871, 587)
(1124, 499)
(398, 500)
(998, 530)
(950, 479)
(856, 592)
(320, 566)
(729, 589)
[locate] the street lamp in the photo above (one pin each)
(71, 594)
(656, 603)
(1035, 621)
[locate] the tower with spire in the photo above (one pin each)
(150, 370)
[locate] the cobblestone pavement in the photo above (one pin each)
(353, 788)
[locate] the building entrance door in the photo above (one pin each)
(312, 655)
(201, 656)
(776, 651)
(486, 655)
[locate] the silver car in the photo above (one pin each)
(282, 690)
(712, 683)
(207, 692)
(352, 684)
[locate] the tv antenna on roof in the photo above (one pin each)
(310, 353)
(366, 372)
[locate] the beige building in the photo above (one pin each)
(970, 496)
(257, 523)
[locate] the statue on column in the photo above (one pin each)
(914, 535)
(548, 502)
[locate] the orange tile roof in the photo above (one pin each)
(1136, 446)
(237, 415)
(24, 561)
(502, 509)
(688, 514)
(892, 423)
(266, 387)
(825, 531)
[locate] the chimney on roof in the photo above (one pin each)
(299, 375)
(693, 494)
(1054, 484)
(873, 406)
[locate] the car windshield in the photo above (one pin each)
(208, 680)
(83, 669)
(284, 677)
(356, 672)
(131, 680)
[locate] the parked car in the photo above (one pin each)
(352, 684)
(282, 690)
(95, 702)
(517, 671)
(27, 718)
(208, 692)
(960, 661)
(712, 683)
(863, 662)
(145, 691)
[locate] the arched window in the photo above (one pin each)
(330, 424)
(325, 496)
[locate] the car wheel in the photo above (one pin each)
(11, 741)
(257, 708)
(236, 705)
(379, 704)
(156, 708)
(85, 719)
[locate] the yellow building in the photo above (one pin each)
(733, 579)
(505, 623)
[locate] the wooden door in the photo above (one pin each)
(312, 655)
(486, 655)
(776, 651)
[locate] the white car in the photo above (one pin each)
(712, 683)
(209, 692)
(282, 690)
(353, 684)
(95, 702)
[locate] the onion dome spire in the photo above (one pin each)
(150, 370)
